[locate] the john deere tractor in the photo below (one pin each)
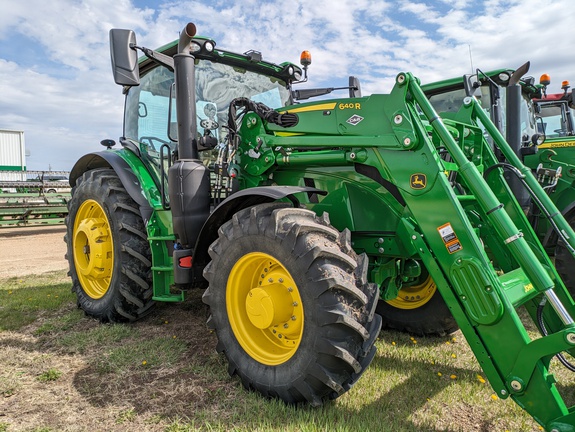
(556, 112)
(298, 220)
(539, 128)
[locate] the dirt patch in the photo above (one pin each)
(137, 398)
(83, 397)
(32, 250)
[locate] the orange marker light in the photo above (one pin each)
(545, 80)
(305, 58)
(565, 85)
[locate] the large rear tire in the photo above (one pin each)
(290, 303)
(108, 252)
(418, 309)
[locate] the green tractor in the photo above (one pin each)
(556, 112)
(526, 116)
(299, 220)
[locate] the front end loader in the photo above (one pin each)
(299, 220)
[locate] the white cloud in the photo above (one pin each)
(66, 101)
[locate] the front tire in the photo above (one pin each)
(290, 304)
(108, 253)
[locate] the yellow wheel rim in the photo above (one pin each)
(93, 249)
(415, 296)
(264, 308)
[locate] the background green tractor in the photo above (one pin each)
(295, 219)
(525, 117)
(556, 112)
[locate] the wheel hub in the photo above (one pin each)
(264, 308)
(269, 306)
(415, 296)
(93, 249)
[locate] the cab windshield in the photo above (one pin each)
(149, 123)
(555, 119)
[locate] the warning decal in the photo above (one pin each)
(449, 238)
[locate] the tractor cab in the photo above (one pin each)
(556, 110)
(490, 89)
(150, 118)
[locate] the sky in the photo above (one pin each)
(56, 83)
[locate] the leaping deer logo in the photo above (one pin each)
(418, 181)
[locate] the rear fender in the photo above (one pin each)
(131, 182)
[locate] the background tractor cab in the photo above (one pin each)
(506, 95)
(556, 110)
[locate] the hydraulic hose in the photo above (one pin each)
(540, 205)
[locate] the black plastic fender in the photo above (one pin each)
(231, 205)
(108, 159)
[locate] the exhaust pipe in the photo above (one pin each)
(189, 182)
(185, 78)
(186, 37)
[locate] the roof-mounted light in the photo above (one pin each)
(195, 47)
(209, 46)
(545, 79)
(305, 58)
(504, 76)
(565, 85)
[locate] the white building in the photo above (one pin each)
(12, 155)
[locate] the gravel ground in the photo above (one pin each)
(32, 250)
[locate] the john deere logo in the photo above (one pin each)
(418, 181)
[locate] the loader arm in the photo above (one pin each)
(484, 299)
(437, 195)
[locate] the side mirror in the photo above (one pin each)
(354, 87)
(124, 57)
(472, 85)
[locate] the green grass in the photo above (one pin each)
(163, 374)
(49, 375)
(24, 300)
(100, 335)
(158, 352)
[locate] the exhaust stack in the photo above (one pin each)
(189, 183)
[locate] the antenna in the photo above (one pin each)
(470, 58)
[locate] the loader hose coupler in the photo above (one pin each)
(285, 119)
